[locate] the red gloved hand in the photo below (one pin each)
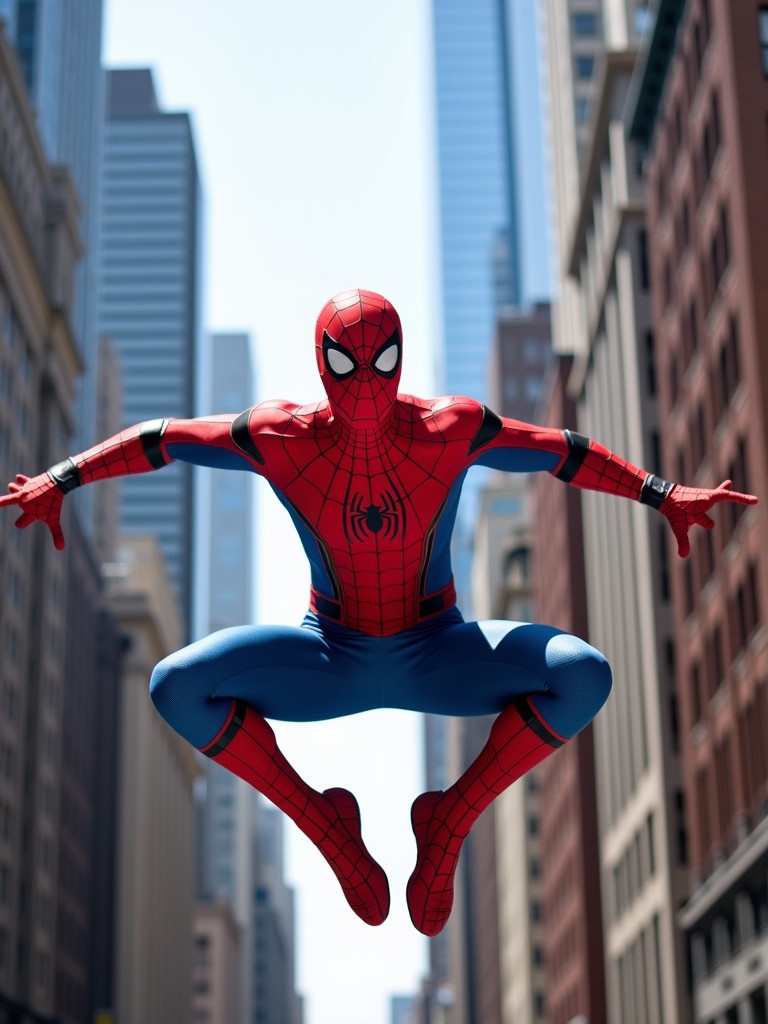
(40, 499)
(685, 506)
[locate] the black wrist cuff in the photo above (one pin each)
(654, 491)
(65, 475)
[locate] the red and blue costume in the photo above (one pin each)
(371, 479)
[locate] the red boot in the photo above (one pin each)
(246, 745)
(518, 741)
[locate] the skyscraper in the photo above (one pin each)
(241, 845)
(229, 812)
(479, 247)
(231, 501)
(149, 296)
(475, 45)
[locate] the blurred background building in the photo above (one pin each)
(702, 103)
(47, 807)
(149, 299)
(240, 844)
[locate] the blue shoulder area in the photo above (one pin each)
(518, 460)
(209, 455)
(439, 570)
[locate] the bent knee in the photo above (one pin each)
(581, 680)
(166, 686)
(600, 679)
(179, 691)
(161, 682)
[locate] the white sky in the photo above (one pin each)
(314, 136)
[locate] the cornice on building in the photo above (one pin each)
(727, 877)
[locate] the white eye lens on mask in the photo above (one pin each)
(387, 361)
(337, 362)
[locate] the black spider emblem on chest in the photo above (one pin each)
(386, 518)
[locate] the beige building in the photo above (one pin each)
(603, 249)
(216, 973)
(156, 813)
(573, 31)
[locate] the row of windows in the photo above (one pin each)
(135, 145)
(724, 378)
(742, 621)
(714, 801)
(743, 610)
(638, 978)
(677, 125)
(714, 263)
(634, 869)
(17, 362)
(133, 223)
(683, 228)
(561, 893)
(708, 546)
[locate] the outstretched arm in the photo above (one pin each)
(139, 449)
(585, 463)
(591, 465)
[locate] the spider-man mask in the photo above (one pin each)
(358, 347)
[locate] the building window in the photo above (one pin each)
(673, 373)
(737, 472)
(724, 786)
(585, 25)
(715, 661)
(582, 110)
(745, 610)
(645, 276)
(751, 745)
(702, 799)
(584, 66)
(764, 38)
(695, 692)
(650, 363)
(681, 828)
(730, 364)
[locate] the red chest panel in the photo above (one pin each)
(372, 503)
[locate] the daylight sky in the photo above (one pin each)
(314, 132)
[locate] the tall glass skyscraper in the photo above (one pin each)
(149, 296)
(479, 246)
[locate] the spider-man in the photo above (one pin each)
(371, 479)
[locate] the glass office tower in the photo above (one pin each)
(149, 296)
(479, 245)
